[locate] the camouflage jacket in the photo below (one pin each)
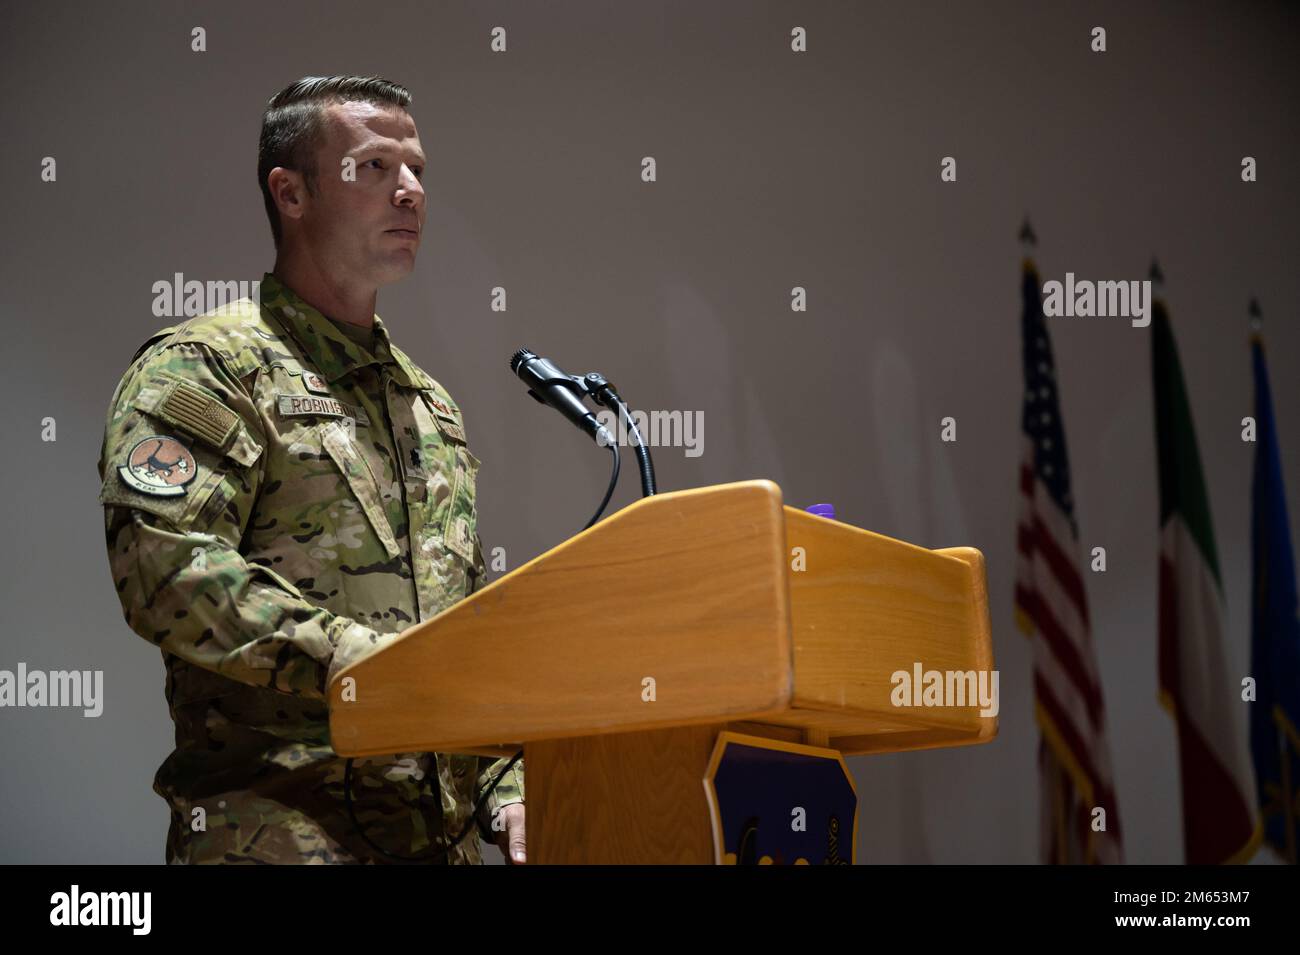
(278, 502)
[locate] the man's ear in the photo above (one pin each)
(289, 190)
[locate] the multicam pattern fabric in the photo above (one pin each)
(306, 500)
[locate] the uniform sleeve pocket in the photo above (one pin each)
(183, 404)
(163, 471)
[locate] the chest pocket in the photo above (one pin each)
(444, 480)
(462, 516)
(320, 431)
(337, 441)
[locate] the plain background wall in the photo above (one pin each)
(774, 170)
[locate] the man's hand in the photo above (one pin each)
(511, 840)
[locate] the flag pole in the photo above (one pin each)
(1286, 740)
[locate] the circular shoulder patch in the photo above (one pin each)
(159, 464)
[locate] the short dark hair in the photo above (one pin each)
(293, 126)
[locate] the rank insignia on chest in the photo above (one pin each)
(159, 465)
(414, 465)
(293, 406)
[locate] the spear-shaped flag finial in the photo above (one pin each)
(1256, 316)
(1027, 235)
(1154, 274)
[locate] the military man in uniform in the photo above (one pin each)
(284, 491)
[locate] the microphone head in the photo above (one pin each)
(519, 357)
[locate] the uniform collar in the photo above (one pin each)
(331, 351)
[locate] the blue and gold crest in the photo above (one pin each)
(778, 803)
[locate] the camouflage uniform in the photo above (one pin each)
(279, 500)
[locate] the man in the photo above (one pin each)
(285, 491)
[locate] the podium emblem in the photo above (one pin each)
(778, 803)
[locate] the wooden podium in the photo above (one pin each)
(617, 658)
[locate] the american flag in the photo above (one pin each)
(1052, 610)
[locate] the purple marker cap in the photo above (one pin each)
(822, 510)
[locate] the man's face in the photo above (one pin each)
(366, 231)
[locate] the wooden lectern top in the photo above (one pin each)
(694, 607)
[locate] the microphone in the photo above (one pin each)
(550, 386)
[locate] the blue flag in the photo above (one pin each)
(1274, 633)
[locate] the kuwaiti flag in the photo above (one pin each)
(1197, 686)
(1275, 630)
